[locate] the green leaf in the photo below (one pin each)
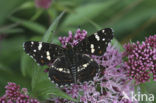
(26, 65)
(11, 31)
(36, 15)
(7, 7)
(12, 28)
(48, 35)
(85, 12)
(26, 5)
(30, 25)
(134, 23)
(10, 50)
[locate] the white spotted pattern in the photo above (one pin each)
(103, 39)
(92, 48)
(85, 65)
(40, 46)
(97, 37)
(60, 69)
(32, 43)
(82, 67)
(48, 55)
(103, 31)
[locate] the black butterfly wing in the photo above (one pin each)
(87, 69)
(60, 72)
(60, 78)
(95, 44)
(43, 53)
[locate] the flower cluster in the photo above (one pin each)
(108, 85)
(73, 40)
(151, 40)
(43, 3)
(13, 94)
(141, 59)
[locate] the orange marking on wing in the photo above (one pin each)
(42, 61)
(93, 72)
(100, 52)
(56, 78)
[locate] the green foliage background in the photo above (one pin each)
(21, 21)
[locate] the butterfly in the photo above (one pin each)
(71, 64)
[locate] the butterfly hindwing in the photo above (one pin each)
(59, 72)
(43, 53)
(95, 44)
(60, 78)
(87, 69)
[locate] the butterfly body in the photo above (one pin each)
(71, 64)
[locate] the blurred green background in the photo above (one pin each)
(22, 20)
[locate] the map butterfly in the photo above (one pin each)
(71, 64)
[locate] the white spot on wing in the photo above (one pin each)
(34, 50)
(48, 53)
(103, 31)
(48, 57)
(85, 65)
(103, 39)
(92, 50)
(91, 46)
(78, 69)
(40, 46)
(32, 43)
(60, 69)
(97, 37)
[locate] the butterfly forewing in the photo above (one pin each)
(43, 53)
(95, 44)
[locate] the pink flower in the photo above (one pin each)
(13, 94)
(73, 40)
(152, 41)
(141, 60)
(43, 3)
